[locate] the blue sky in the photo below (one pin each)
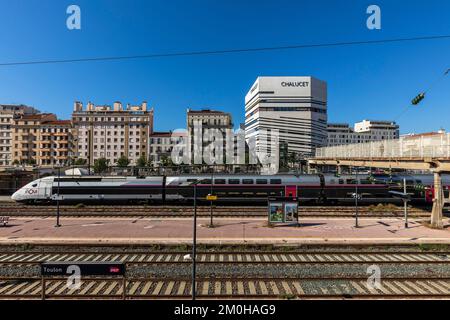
(364, 82)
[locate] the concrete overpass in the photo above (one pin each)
(430, 152)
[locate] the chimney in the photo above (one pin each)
(77, 106)
(144, 106)
(117, 106)
(90, 106)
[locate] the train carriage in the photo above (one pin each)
(343, 188)
(229, 188)
(240, 188)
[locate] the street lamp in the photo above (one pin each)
(211, 225)
(405, 203)
(57, 199)
(405, 197)
(356, 199)
(194, 236)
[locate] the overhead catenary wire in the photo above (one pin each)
(438, 79)
(225, 51)
(433, 84)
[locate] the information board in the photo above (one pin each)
(282, 210)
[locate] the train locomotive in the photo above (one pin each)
(311, 188)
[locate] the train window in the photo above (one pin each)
(247, 181)
(365, 181)
(34, 185)
(341, 181)
(351, 181)
(261, 181)
(206, 181)
(233, 181)
(191, 180)
(275, 181)
(220, 181)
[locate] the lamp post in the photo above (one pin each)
(57, 199)
(405, 203)
(194, 236)
(356, 200)
(194, 243)
(211, 202)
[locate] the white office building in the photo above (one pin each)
(364, 131)
(295, 106)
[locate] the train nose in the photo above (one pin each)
(16, 196)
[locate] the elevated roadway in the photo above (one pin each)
(430, 152)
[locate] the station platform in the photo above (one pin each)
(123, 231)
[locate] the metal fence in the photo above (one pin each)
(423, 146)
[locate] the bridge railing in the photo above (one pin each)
(423, 146)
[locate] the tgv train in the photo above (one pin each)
(318, 188)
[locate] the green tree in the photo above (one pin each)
(150, 164)
(80, 162)
(123, 162)
(16, 162)
(141, 162)
(166, 161)
(100, 165)
(292, 159)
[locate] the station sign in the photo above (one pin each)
(85, 268)
(211, 197)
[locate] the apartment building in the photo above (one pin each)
(207, 120)
(364, 131)
(161, 145)
(109, 132)
(41, 139)
(7, 113)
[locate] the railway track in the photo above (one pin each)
(173, 288)
(21, 258)
(311, 286)
(186, 211)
